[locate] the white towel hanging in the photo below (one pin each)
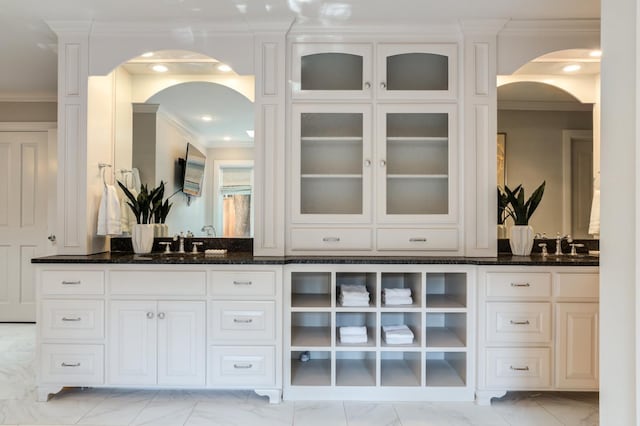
(109, 212)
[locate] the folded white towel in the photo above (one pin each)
(349, 302)
(353, 339)
(354, 296)
(109, 212)
(396, 292)
(398, 340)
(353, 331)
(397, 300)
(397, 334)
(349, 288)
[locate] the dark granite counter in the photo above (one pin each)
(246, 258)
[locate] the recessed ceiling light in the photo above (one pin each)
(147, 54)
(571, 68)
(160, 68)
(251, 133)
(595, 53)
(227, 138)
(224, 68)
(206, 118)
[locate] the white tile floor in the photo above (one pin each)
(239, 408)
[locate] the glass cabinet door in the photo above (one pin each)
(331, 163)
(416, 164)
(416, 71)
(325, 70)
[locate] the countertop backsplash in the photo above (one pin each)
(589, 245)
(245, 245)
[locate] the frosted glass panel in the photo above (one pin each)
(417, 71)
(417, 196)
(334, 157)
(417, 157)
(317, 124)
(331, 71)
(331, 196)
(417, 124)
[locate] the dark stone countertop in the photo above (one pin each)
(246, 258)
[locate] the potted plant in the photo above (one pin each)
(145, 207)
(521, 239)
(503, 213)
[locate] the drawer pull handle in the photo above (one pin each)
(71, 282)
(331, 239)
(242, 283)
(520, 285)
(64, 364)
(417, 240)
(71, 319)
(242, 366)
(243, 321)
(526, 322)
(519, 368)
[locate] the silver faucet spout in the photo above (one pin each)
(210, 230)
(180, 239)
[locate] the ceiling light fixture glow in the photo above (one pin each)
(251, 133)
(160, 68)
(227, 138)
(571, 68)
(595, 53)
(147, 54)
(206, 118)
(224, 68)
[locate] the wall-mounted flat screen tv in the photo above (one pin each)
(193, 171)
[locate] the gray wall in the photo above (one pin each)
(28, 111)
(534, 154)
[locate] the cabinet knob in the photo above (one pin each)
(383, 163)
(367, 85)
(150, 315)
(383, 85)
(161, 315)
(367, 163)
(52, 238)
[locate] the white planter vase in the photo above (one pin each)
(142, 238)
(521, 240)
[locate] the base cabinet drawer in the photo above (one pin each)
(243, 283)
(523, 285)
(417, 239)
(72, 282)
(518, 322)
(335, 239)
(72, 364)
(521, 368)
(242, 321)
(72, 319)
(243, 366)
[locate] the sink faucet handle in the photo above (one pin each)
(167, 246)
(544, 249)
(194, 246)
(574, 252)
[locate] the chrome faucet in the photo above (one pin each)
(559, 242)
(210, 230)
(180, 237)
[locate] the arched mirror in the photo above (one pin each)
(546, 133)
(174, 101)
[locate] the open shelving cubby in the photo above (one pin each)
(355, 368)
(357, 319)
(447, 291)
(311, 290)
(411, 280)
(445, 369)
(445, 330)
(400, 368)
(315, 372)
(356, 278)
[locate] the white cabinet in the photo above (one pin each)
(136, 325)
(537, 329)
(437, 364)
(157, 342)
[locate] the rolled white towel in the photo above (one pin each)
(353, 331)
(400, 292)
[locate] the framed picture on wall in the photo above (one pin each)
(502, 156)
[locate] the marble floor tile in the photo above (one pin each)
(449, 414)
(121, 407)
(371, 414)
(523, 411)
(241, 414)
(312, 413)
(569, 411)
(163, 412)
(55, 411)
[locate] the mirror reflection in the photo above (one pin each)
(545, 133)
(197, 103)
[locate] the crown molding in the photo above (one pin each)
(80, 27)
(550, 26)
(145, 108)
(543, 106)
(27, 126)
(28, 97)
(166, 28)
(482, 26)
(373, 30)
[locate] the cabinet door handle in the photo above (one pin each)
(71, 319)
(383, 85)
(64, 364)
(242, 283)
(383, 163)
(242, 366)
(331, 239)
(367, 85)
(417, 240)
(520, 285)
(511, 367)
(150, 315)
(526, 322)
(71, 282)
(243, 321)
(367, 163)
(161, 315)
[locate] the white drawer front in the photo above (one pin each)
(243, 321)
(331, 239)
(250, 366)
(518, 284)
(72, 282)
(518, 322)
(577, 285)
(417, 239)
(527, 368)
(72, 319)
(158, 283)
(243, 283)
(72, 364)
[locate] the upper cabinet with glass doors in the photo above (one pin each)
(402, 71)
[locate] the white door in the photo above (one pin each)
(133, 340)
(577, 354)
(23, 220)
(181, 343)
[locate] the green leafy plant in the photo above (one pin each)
(504, 211)
(148, 206)
(522, 210)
